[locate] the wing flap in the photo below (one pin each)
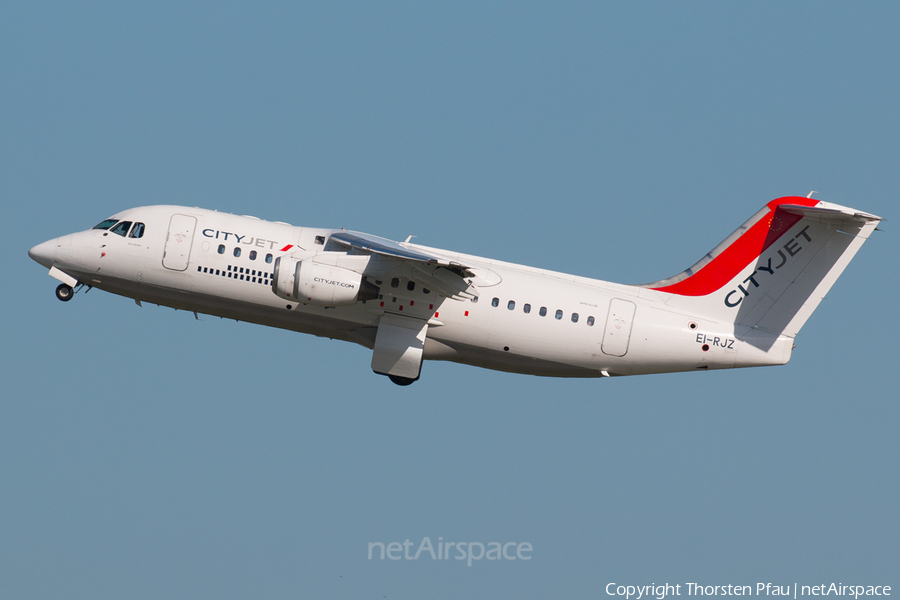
(445, 282)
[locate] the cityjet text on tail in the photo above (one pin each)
(741, 305)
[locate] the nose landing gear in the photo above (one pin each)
(64, 292)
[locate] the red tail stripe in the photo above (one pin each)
(756, 240)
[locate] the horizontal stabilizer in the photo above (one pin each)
(820, 214)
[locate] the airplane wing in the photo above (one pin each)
(445, 276)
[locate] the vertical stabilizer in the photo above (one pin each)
(773, 271)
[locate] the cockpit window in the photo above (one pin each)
(107, 224)
(137, 231)
(122, 228)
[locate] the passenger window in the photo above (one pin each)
(558, 314)
(122, 228)
(237, 253)
(526, 309)
(574, 317)
(543, 311)
(137, 231)
(495, 302)
(426, 291)
(511, 305)
(221, 249)
(590, 321)
(253, 255)
(410, 285)
(395, 282)
(268, 258)
(106, 224)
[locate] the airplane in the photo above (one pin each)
(741, 305)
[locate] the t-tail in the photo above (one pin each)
(769, 276)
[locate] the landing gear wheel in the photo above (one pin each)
(64, 292)
(401, 380)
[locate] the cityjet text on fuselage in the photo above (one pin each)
(240, 239)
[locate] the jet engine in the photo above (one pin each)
(313, 283)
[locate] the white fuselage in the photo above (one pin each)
(524, 320)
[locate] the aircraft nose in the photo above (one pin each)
(44, 254)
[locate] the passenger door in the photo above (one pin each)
(617, 333)
(179, 240)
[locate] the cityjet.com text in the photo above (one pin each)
(795, 590)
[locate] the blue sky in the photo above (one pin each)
(144, 454)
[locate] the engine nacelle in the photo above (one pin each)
(309, 282)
